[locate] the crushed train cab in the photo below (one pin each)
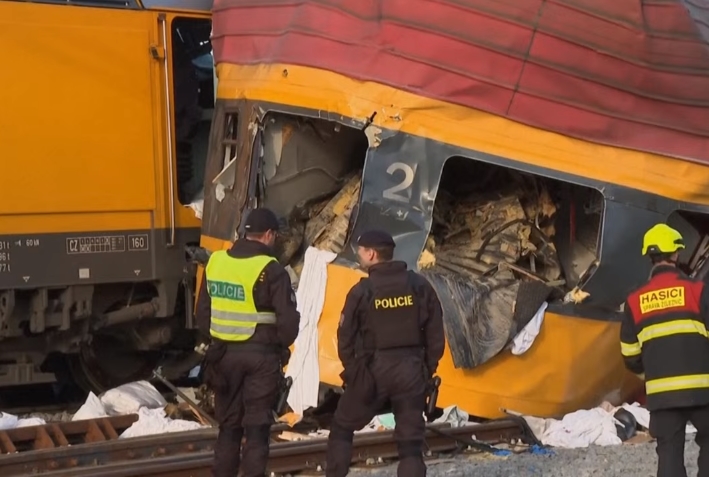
(517, 167)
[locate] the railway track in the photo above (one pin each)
(92, 448)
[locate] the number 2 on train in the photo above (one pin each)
(400, 192)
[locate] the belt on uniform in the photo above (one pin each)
(258, 347)
(399, 349)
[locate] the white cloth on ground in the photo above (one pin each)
(128, 398)
(91, 409)
(588, 427)
(454, 416)
(154, 421)
(303, 366)
(581, 429)
(642, 416)
(10, 421)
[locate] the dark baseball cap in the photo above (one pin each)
(260, 221)
(375, 238)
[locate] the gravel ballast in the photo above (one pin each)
(630, 460)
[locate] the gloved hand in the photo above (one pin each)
(428, 373)
(210, 373)
(343, 377)
(285, 357)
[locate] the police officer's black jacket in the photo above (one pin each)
(273, 292)
(664, 335)
(392, 291)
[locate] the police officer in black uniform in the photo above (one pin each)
(247, 306)
(390, 340)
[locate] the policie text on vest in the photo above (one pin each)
(393, 302)
(230, 291)
(661, 299)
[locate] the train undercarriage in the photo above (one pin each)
(96, 337)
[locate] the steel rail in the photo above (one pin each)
(190, 454)
(101, 449)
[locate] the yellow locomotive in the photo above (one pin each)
(106, 109)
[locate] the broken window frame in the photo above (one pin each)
(225, 179)
(696, 253)
(569, 190)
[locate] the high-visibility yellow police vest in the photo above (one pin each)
(230, 283)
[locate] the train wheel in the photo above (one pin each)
(108, 362)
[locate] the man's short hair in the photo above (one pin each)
(385, 254)
(656, 258)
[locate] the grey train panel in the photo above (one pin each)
(61, 259)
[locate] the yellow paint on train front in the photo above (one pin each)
(212, 244)
(573, 363)
(83, 129)
(464, 127)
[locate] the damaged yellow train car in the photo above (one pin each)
(105, 110)
(516, 158)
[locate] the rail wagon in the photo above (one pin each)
(106, 109)
(517, 151)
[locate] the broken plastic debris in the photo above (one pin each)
(290, 418)
(219, 192)
(372, 133)
(154, 421)
(128, 398)
(576, 296)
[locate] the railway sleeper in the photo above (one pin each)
(102, 454)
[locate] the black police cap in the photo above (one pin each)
(260, 221)
(375, 238)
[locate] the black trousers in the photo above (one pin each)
(244, 405)
(668, 427)
(400, 379)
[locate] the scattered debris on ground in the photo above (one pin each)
(638, 460)
(155, 414)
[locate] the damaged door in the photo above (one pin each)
(231, 157)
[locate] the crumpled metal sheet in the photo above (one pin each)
(628, 73)
(477, 316)
(482, 317)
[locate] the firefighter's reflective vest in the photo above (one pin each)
(671, 339)
(230, 283)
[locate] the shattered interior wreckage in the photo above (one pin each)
(502, 208)
(502, 243)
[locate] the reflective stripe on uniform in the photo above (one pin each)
(230, 283)
(671, 328)
(228, 326)
(260, 318)
(630, 349)
(677, 383)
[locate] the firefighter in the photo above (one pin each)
(248, 308)
(664, 341)
(396, 318)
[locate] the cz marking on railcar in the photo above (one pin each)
(5, 266)
(138, 243)
(101, 244)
